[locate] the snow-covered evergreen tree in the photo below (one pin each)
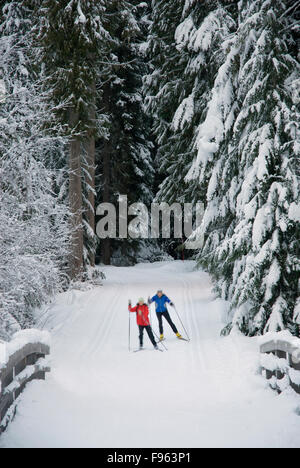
(124, 151)
(253, 196)
(163, 85)
(221, 94)
(33, 220)
(191, 34)
(265, 243)
(186, 47)
(72, 39)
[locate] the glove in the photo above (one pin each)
(171, 304)
(149, 300)
(129, 302)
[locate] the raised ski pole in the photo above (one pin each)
(181, 322)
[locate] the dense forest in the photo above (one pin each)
(162, 101)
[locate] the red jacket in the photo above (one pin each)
(142, 314)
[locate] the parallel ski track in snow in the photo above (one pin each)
(104, 328)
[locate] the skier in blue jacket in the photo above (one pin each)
(161, 300)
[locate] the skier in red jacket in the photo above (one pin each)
(142, 318)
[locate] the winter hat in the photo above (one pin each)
(141, 299)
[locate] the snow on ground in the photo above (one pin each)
(205, 393)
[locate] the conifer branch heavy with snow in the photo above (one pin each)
(34, 229)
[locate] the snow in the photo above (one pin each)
(30, 335)
(41, 364)
(283, 384)
(187, 5)
(272, 278)
(19, 340)
(184, 113)
(3, 354)
(273, 363)
(2, 91)
(297, 311)
(203, 37)
(264, 151)
(206, 393)
(259, 227)
(183, 32)
(294, 376)
(210, 133)
(294, 212)
(275, 322)
(250, 208)
(283, 335)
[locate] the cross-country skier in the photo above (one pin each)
(161, 300)
(142, 318)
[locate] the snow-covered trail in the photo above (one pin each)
(205, 393)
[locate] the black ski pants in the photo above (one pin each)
(150, 334)
(166, 315)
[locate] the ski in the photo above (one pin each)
(144, 349)
(183, 339)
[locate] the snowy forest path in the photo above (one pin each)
(205, 392)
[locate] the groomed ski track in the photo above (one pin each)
(205, 393)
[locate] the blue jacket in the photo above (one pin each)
(160, 303)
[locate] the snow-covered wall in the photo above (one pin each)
(21, 360)
(280, 360)
(284, 335)
(19, 340)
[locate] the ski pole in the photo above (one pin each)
(159, 341)
(154, 331)
(181, 323)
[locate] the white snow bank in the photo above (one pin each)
(19, 340)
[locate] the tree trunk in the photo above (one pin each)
(90, 155)
(75, 198)
(106, 243)
(90, 169)
(106, 179)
